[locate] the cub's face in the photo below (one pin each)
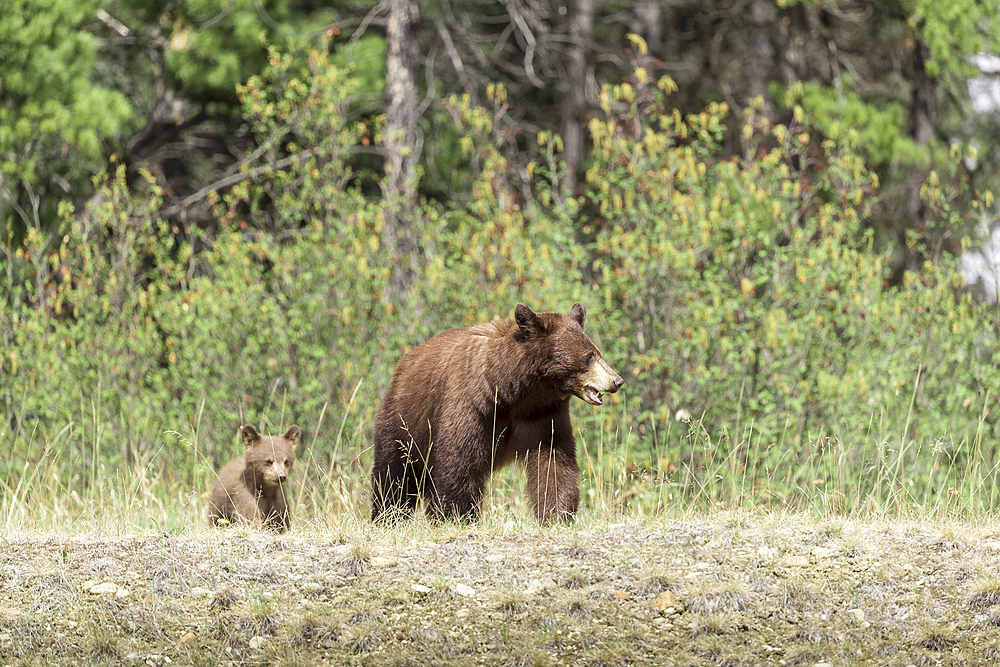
(572, 361)
(271, 457)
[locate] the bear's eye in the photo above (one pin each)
(288, 464)
(268, 462)
(590, 358)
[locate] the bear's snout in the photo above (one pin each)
(605, 379)
(598, 380)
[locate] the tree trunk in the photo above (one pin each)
(575, 98)
(646, 22)
(921, 118)
(922, 130)
(759, 66)
(400, 187)
(922, 110)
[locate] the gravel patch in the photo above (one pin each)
(726, 589)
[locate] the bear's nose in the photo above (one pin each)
(617, 384)
(282, 477)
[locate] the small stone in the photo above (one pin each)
(342, 550)
(420, 588)
(381, 561)
(666, 600)
(494, 558)
(463, 589)
(187, 637)
(257, 642)
(536, 586)
(199, 592)
(122, 592)
(622, 595)
(857, 614)
(87, 585)
(795, 561)
(107, 588)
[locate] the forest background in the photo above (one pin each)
(217, 214)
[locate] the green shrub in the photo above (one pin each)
(745, 291)
(731, 278)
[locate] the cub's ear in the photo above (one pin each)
(578, 313)
(527, 321)
(293, 434)
(250, 435)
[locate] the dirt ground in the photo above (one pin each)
(721, 590)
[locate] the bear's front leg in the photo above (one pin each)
(395, 483)
(553, 483)
(460, 468)
(456, 493)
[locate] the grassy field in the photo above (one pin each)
(708, 560)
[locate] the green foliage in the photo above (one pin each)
(953, 30)
(742, 290)
(54, 114)
(365, 60)
(745, 291)
(214, 48)
(880, 128)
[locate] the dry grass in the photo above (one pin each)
(504, 592)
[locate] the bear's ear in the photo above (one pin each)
(578, 313)
(293, 434)
(250, 435)
(527, 321)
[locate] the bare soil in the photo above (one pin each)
(722, 590)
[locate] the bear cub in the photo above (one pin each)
(469, 401)
(251, 488)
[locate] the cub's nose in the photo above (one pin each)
(282, 477)
(616, 384)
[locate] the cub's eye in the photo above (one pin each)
(268, 462)
(288, 464)
(590, 358)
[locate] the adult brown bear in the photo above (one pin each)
(472, 400)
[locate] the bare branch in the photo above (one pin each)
(530, 43)
(233, 179)
(113, 23)
(456, 59)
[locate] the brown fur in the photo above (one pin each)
(252, 487)
(472, 400)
